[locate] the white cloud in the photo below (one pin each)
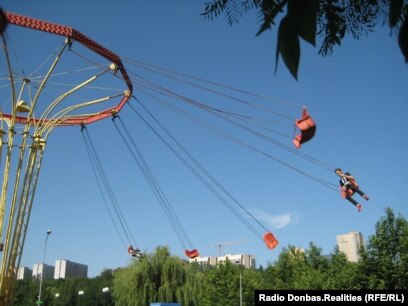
(276, 221)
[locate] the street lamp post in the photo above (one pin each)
(80, 294)
(57, 302)
(240, 284)
(105, 292)
(42, 272)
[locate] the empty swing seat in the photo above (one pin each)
(307, 127)
(192, 254)
(270, 240)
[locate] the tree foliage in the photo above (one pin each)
(161, 277)
(341, 274)
(298, 269)
(156, 277)
(221, 285)
(384, 262)
(64, 292)
(331, 20)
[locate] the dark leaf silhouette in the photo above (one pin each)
(395, 12)
(288, 46)
(303, 14)
(403, 39)
(331, 20)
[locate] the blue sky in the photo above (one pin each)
(358, 98)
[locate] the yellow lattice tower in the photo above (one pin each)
(32, 105)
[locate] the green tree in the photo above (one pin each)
(384, 262)
(67, 291)
(330, 19)
(158, 277)
(341, 274)
(64, 292)
(252, 279)
(285, 271)
(312, 274)
(224, 284)
(221, 285)
(298, 269)
(26, 292)
(193, 288)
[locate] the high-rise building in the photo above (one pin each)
(24, 273)
(68, 269)
(350, 244)
(46, 270)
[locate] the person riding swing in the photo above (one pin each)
(348, 187)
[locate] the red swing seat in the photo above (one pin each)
(192, 253)
(270, 240)
(348, 192)
(307, 127)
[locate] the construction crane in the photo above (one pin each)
(220, 245)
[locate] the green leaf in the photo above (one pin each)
(288, 46)
(303, 15)
(403, 38)
(395, 12)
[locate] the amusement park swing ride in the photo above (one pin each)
(62, 89)
(27, 120)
